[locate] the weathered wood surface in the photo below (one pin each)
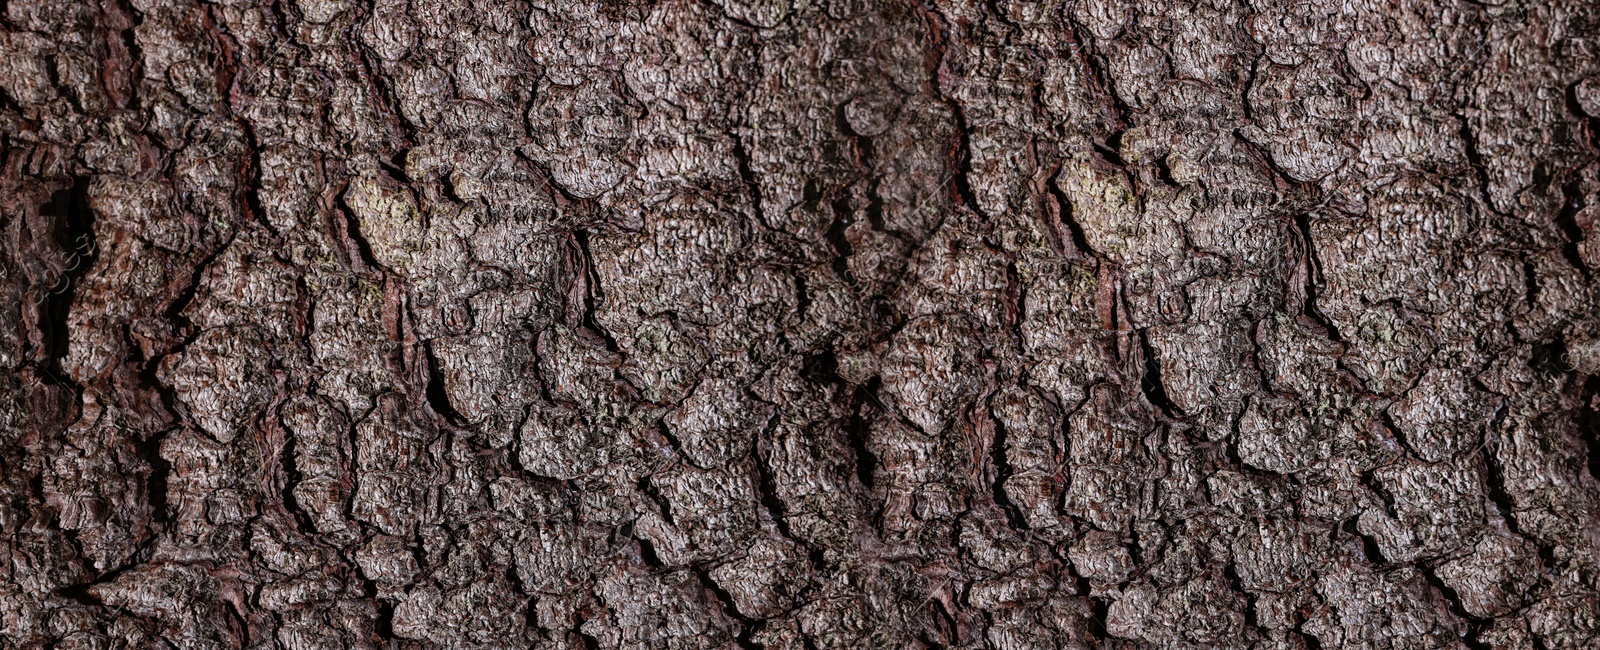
(799, 324)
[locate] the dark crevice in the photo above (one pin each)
(1567, 221)
(149, 450)
(1387, 421)
(1453, 601)
(226, 60)
(1230, 571)
(1369, 546)
(746, 625)
(128, 35)
(622, 534)
(856, 429)
(875, 213)
(252, 183)
(1470, 145)
(866, 164)
(174, 312)
(1140, 554)
(368, 69)
(1150, 381)
(395, 169)
(1542, 176)
(1313, 280)
(1003, 471)
(746, 638)
(1303, 191)
(819, 560)
(663, 504)
(52, 73)
(73, 228)
(961, 153)
(80, 594)
(1494, 479)
(647, 552)
(8, 104)
(530, 610)
(768, 487)
(1473, 639)
(293, 477)
(383, 626)
(447, 184)
(1108, 150)
(842, 218)
(942, 623)
(1096, 68)
(1587, 423)
(1591, 122)
(1549, 358)
(802, 298)
(671, 438)
(1258, 356)
(1530, 285)
(1064, 209)
(1101, 609)
(748, 176)
(1369, 480)
(811, 195)
(438, 398)
(1164, 172)
(821, 368)
(1236, 462)
(536, 366)
(384, 86)
(961, 180)
(352, 228)
(593, 294)
(1249, 83)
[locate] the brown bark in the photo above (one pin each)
(792, 324)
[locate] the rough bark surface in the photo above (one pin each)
(799, 324)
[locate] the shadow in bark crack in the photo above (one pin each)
(1547, 358)
(1587, 422)
(438, 399)
(73, 227)
(1150, 382)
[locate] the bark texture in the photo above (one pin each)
(799, 324)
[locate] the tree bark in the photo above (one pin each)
(799, 324)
